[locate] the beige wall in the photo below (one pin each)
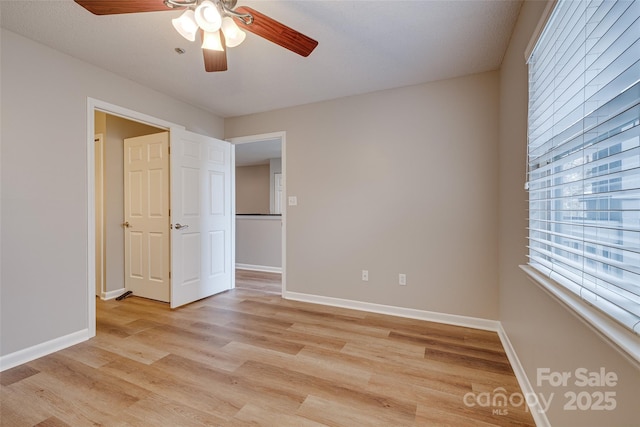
(397, 181)
(544, 334)
(252, 189)
(44, 247)
(259, 242)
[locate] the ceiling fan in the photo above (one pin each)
(217, 22)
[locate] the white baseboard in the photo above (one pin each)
(431, 316)
(539, 416)
(263, 268)
(112, 294)
(28, 354)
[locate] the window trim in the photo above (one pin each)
(619, 337)
(542, 23)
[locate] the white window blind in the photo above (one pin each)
(584, 154)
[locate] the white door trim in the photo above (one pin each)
(116, 110)
(264, 137)
(99, 198)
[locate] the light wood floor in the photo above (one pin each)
(247, 357)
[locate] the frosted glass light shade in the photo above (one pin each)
(186, 25)
(233, 35)
(208, 17)
(212, 41)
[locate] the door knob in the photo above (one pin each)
(180, 226)
(126, 224)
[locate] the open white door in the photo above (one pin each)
(146, 216)
(201, 217)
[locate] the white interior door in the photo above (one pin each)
(201, 212)
(146, 216)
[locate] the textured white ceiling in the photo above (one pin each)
(364, 46)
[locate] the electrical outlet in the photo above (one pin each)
(365, 275)
(402, 279)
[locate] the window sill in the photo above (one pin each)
(616, 335)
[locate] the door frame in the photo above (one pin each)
(282, 135)
(94, 105)
(98, 144)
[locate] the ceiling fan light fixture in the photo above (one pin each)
(212, 41)
(186, 25)
(208, 16)
(233, 35)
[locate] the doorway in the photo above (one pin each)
(200, 191)
(267, 151)
(113, 235)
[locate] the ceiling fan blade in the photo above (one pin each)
(115, 7)
(276, 32)
(214, 60)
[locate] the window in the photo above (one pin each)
(583, 173)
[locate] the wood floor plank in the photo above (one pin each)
(131, 349)
(284, 379)
(247, 357)
(235, 389)
(387, 374)
(89, 354)
(17, 408)
(51, 397)
(193, 346)
(247, 337)
(52, 422)
(314, 366)
(199, 395)
(429, 416)
(16, 374)
(252, 414)
(332, 412)
(156, 410)
(407, 388)
(463, 348)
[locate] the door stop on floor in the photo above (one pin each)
(123, 296)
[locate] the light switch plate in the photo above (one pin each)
(293, 201)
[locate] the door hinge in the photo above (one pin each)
(169, 275)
